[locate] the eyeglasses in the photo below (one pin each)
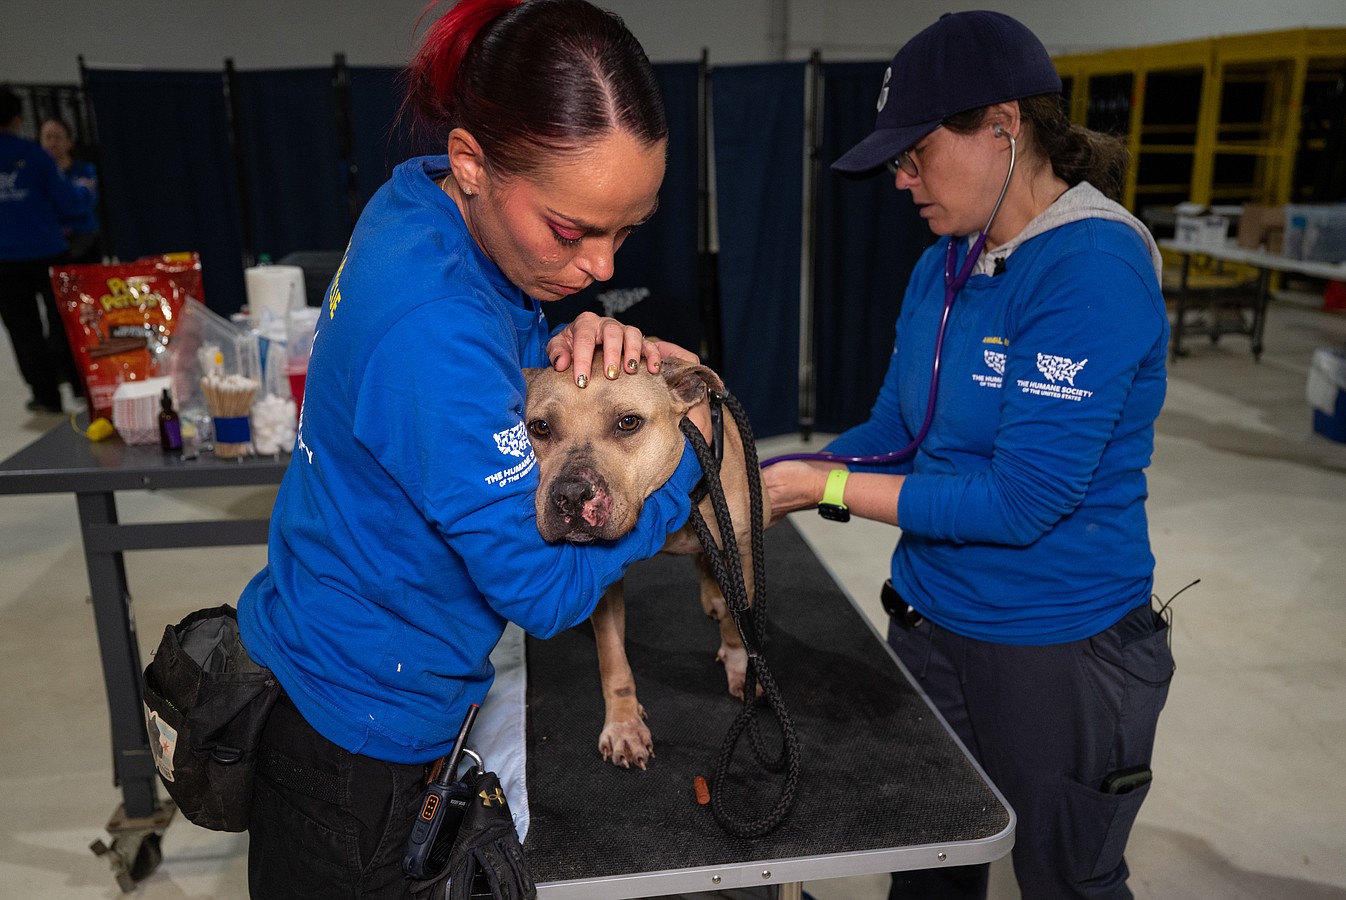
(903, 162)
(906, 160)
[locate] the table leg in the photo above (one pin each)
(132, 764)
(1182, 306)
(1260, 311)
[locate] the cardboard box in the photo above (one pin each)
(1262, 227)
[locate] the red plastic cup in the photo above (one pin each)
(298, 374)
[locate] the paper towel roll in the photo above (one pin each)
(272, 292)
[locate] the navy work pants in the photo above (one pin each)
(41, 353)
(1048, 724)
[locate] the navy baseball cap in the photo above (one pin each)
(964, 61)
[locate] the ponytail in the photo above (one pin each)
(432, 75)
(1076, 153)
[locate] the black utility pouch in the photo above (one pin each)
(206, 704)
(902, 613)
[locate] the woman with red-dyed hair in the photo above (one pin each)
(404, 536)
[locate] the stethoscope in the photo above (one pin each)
(955, 278)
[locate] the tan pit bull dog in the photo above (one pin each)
(601, 451)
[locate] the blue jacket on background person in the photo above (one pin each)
(34, 201)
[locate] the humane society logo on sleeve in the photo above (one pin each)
(1060, 372)
(514, 442)
(9, 186)
(995, 361)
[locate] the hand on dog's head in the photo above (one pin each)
(603, 449)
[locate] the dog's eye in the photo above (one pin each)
(629, 423)
(539, 428)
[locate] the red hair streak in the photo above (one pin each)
(434, 70)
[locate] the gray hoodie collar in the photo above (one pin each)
(1083, 201)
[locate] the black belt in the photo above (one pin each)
(903, 614)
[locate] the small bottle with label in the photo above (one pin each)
(170, 427)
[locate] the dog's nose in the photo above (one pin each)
(570, 494)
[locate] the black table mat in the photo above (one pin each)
(879, 771)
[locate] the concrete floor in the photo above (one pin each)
(1249, 788)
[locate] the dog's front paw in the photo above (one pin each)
(627, 743)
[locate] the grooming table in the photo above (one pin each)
(884, 786)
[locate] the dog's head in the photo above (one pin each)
(603, 449)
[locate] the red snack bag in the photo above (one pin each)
(120, 318)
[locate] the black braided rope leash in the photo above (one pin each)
(725, 564)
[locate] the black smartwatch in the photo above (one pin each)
(832, 506)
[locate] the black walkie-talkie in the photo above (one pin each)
(441, 812)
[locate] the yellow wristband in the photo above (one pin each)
(836, 488)
(832, 506)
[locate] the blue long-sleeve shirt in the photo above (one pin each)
(404, 534)
(34, 199)
(1022, 516)
(86, 222)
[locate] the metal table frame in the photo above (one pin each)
(783, 877)
(65, 462)
(1265, 263)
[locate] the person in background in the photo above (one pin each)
(84, 244)
(1020, 596)
(34, 200)
(404, 536)
(82, 233)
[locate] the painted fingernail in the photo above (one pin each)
(582, 381)
(659, 366)
(631, 365)
(612, 371)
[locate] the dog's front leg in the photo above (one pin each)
(625, 739)
(732, 653)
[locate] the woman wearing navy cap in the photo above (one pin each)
(1009, 443)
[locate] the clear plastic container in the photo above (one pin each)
(1315, 233)
(207, 343)
(299, 344)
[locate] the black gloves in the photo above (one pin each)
(488, 844)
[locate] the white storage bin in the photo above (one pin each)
(1204, 231)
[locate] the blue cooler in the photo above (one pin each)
(1326, 393)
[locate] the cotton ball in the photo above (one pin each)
(273, 426)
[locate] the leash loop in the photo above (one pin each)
(749, 616)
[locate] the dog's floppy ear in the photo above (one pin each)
(690, 383)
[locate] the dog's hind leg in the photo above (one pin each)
(625, 740)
